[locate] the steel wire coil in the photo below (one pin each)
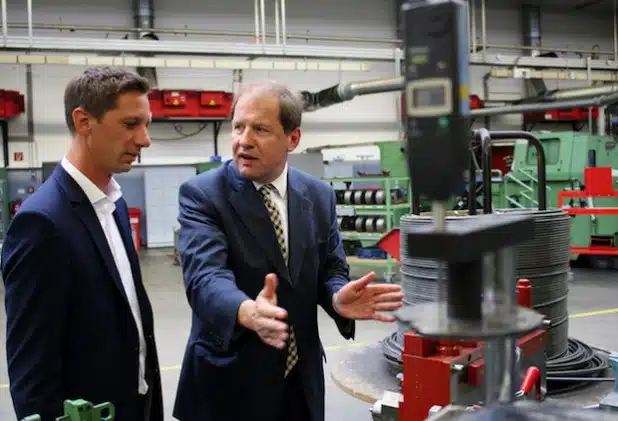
(544, 260)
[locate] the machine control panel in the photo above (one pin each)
(436, 95)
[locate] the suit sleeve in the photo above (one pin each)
(36, 276)
(336, 273)
(210, 286)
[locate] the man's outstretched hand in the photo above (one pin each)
(264, 317)
(362, 300)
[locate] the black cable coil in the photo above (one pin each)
(578, 367)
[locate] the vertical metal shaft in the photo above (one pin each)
(499, 353)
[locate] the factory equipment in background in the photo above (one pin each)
(567, 156)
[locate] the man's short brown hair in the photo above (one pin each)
(97, 90)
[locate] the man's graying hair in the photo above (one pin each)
(97, 89)
(291, 104)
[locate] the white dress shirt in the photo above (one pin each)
(280, 198)
(104, 204)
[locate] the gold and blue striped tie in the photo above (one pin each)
(275, 217)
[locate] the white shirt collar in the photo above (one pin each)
(112, 191)
(280, 183)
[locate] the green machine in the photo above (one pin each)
(567, 154)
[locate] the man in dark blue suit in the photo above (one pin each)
(260, 251)
(79, 322)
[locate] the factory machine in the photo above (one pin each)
(477, 352)
(568, 157)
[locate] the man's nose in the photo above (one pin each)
(246, 139)
(143, 138)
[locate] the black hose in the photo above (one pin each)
(578, 367)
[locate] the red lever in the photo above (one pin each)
(531, 379)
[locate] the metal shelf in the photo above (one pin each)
(188, 48)
(358, 236)
(25, 43)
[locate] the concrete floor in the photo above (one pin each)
(592, 304)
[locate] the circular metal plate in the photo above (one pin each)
(431, 320)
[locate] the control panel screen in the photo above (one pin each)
(434, 96)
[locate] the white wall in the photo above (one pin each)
(370, 118)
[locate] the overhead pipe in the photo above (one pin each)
(562, 94)
(346, 91)
(531, 28)
(143, 18)
(283, 23)
(603, 95)
(5, 24)
(263, 21)
(29, 12)
(256, 11)
(277, 18)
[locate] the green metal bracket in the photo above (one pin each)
(81, 410)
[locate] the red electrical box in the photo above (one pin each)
(190, 104)
(11, 104)
(216, 104)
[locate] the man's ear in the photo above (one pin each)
(82, 121)
(294, 139)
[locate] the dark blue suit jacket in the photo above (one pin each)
(227, 246)
(70, 331)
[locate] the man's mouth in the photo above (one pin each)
(246, 156)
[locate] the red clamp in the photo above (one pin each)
(531, 379)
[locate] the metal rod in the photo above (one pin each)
(256, 8)
(518, 109)
(501, 136)
(484, 26)
(277, 12)
(589, 74)
(472, 178)
(469, 29)
(485, 141)
(283, 23)
(263, 18)
(5, 25)
(615, 32)
(473, 20)
(29, 7)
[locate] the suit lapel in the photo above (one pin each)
(88, 216)
(300, 230)
(249, 205)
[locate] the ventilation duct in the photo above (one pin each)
(531, 27)
(143, 18)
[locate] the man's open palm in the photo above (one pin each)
(362, 300)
